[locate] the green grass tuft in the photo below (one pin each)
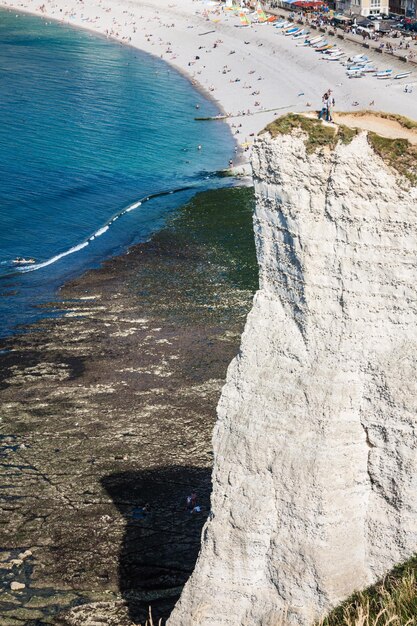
(346, 134)
(319, 135)
(393, 601)
(399, 154)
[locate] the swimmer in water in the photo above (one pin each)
(21, 261)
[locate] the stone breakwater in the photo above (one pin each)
(315, 482)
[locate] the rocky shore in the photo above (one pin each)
(110, 407)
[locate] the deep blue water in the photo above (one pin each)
(88, 129)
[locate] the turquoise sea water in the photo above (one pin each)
(89, 129)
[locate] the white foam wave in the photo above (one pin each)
(133, 206)
(38, 266)
(80, 246)
(100, 232)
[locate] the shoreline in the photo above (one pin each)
(253, 70)
(241, 167)
(111, 406)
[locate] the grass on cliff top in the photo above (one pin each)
(393, 601)
(399, 154)
(318, 134)
(395, 117)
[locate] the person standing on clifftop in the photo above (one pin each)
(330, 105)
(323, 111)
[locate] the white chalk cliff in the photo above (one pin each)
(315, 471)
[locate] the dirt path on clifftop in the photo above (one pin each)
(378, 123)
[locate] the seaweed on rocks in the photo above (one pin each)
(112, 404)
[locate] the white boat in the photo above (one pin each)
(283, 24)
(314, 40)
(384, 74)
(331, 51)
(318, 42)
(353, 66)
(326, 47)
(402, 75)
(356, 75)
(369, 69)
(298, 35)
(358, 58)
(321, 44)
(334, 57)
(354, 71)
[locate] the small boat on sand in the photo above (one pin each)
(320, 42)
(402, 75)
(358, 58)
(314, 40)
(331, 52)
(324, 47)
(333, 57)
(354, 71)
(291, 31)
(384, 74)
(369, 69)
(302, 34)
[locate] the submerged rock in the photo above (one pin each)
(16, 586)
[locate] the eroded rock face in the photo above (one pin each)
(315, 482)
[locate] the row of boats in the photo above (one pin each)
(356, 67)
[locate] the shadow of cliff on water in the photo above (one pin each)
(160, 545)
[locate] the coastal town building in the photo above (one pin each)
(403, 7)
(364, 7)
(408, 8)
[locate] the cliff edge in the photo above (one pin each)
(315, 470)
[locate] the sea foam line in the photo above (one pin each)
(103, 229)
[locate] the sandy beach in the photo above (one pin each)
(250, 70)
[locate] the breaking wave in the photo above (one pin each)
(103, 229)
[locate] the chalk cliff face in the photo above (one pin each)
(315, 472)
